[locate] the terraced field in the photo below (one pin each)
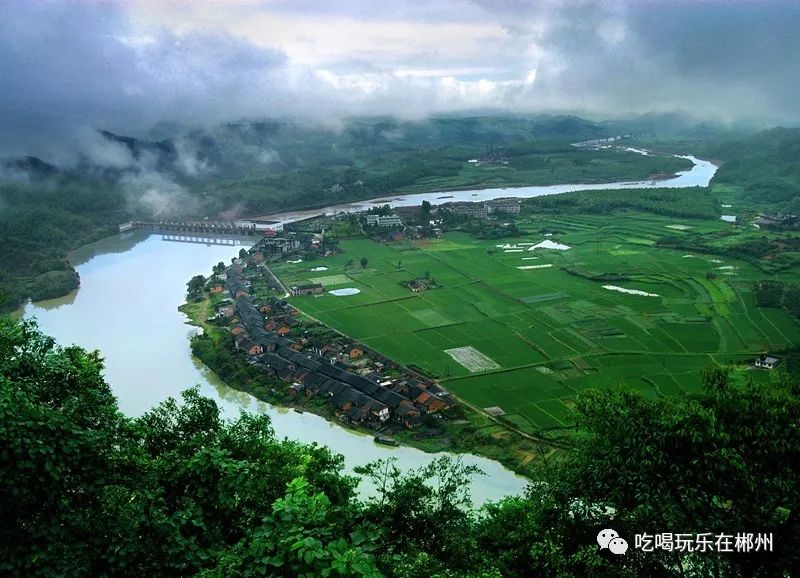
(528, 340)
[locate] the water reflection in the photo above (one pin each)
(126, 307)
(133, 283)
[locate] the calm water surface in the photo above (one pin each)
(132, 285)
(126, 307)
(699, 175)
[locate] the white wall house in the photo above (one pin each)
(767, 362)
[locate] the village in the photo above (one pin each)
(296, 360)
(303, 358)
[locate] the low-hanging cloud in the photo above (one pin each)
(69, 67)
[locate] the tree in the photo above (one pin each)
(425, 515)
(724, 459)
(219, 268)
(364, 262)
(242, 253)
(194, 288)
(89, 492)
(426, 209)
(304, 535)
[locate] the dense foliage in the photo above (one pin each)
(39, 223)
(194, 288)
(766, 166)
(687, 203)
(89, 492)
(180, 491)
(779, 295)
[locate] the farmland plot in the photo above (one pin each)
(530, 340)
(472, 359)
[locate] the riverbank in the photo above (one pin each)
(48, 286)
(127, 309)
(469, 432)
(506, 180)
(699, 175)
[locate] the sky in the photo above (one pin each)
(71, 66)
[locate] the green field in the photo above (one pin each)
(528, 340)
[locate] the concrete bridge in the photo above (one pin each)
(189, 238)
(218, 227)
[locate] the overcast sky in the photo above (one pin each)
(69, 65)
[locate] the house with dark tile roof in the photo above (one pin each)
(409, 415)
(249, 346)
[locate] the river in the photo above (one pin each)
(131, 287)
(126, 307)
(699, 175)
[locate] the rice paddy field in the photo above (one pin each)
(500, 333)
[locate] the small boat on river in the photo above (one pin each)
(385, 441)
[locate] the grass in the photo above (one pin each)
(466, 431)
(551, 334)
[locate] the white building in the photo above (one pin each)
(511, 206)
(384, 220)
(259, 225)
(767, 362)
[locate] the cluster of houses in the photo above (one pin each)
(420, 284)
(307, 289)
(777, 221)
(272, 247)
(495, 157)
(360, 392)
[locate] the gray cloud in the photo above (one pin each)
(67, 66)
(723, 60)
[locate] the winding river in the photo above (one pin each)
(699, 175)
(126, 307)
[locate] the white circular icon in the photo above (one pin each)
(605, 536)
(618, 546)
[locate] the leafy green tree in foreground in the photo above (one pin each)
(89, 492)
(179, 491)
(723, 461)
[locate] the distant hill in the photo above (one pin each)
(162, 152)
(290, 163)
(247, 150)
(12, 169)
(246, 168)
(765, 166)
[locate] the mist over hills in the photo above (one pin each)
(239, 167)
(246, 149)
(253, 168)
